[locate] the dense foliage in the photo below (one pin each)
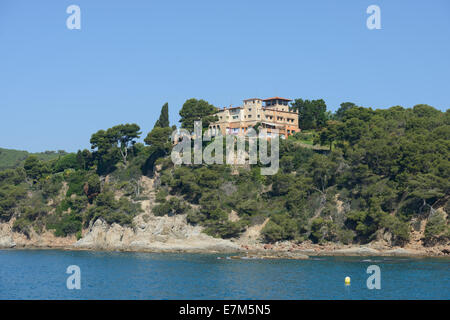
(380, 174)
(388, 170)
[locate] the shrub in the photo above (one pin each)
(50, 187)
(35, 168)
(225, 230)
(272, 232)
(195, 217)
(170, 207)
(68, 161)
(120, 211)
(22, 225)
(161, 195)
(436, 228)
(64, 224)
(322, 230)
(363, 223)
(76, 180)
(9, 197)
(345, 236)
(398, 228)
(75, 203)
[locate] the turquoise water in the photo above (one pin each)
(41, 274)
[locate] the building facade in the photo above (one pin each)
(271, 113)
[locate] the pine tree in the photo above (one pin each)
(163, 121)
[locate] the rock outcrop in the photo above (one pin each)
(6, 239)
(151, 233)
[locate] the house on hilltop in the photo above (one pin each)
(272, 113)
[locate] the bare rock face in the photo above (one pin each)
(6, 239)
(402, 252)
(151, 233)
(102, 236)
(45, 239)
(359, 251)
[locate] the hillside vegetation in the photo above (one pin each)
(14, 158)
(374, 174)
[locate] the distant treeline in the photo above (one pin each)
(13, 158)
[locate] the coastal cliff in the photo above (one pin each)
(174, 234)
(160, 234)
(155, 234)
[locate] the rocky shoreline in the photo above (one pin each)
(236, 252)
(249, 255)
(174, 235)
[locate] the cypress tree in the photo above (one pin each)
(163, 121)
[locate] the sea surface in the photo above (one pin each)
(41, 274)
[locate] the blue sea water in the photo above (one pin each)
(41, 274)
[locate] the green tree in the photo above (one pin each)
(197, 110)
(436, 228)
(163, 121)
(159, 140)
(35, 168)
(339, 115)
(322, 230)
(330, 133)
(125, 136)
(429, 189)
(69, 161)
(84, 159)
(311, 113)
(118, 139)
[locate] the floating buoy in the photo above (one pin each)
(347, 281)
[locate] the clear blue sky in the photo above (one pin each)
(58, 86)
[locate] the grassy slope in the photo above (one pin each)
(10, 158)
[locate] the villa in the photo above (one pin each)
(272, 113)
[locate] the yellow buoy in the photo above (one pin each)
(347, 281)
